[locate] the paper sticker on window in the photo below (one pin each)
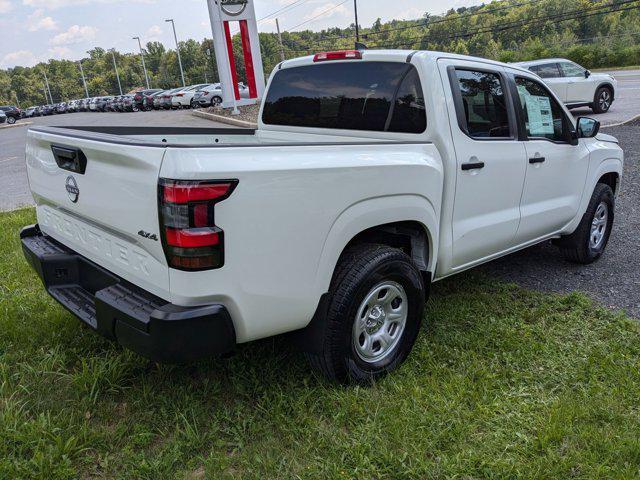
(540, 115)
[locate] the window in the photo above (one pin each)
(484, 103)
(543, 116)
(408, 113)
(548, 70)
(570, 69)
(351, 96)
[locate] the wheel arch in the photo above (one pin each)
(409, 222)
(608, 85)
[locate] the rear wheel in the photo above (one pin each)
(588, 242)
(11, 120)
(603, 99)
(216, 101)
(374, 315)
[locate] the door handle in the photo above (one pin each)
(472, 166)
(70, 158)
(537, 160)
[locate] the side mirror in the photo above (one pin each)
(587, 73)
(588, 127)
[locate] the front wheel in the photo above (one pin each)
(602, 101)
(374, 315)
(588, 242)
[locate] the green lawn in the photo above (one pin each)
(502, 383)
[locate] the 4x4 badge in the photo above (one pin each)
(150, 236)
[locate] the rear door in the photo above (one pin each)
(100, 199)
(490, 160)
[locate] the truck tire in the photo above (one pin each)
(589, 240)
(602, 100)
(373, 317)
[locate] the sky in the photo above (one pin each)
(32, 31)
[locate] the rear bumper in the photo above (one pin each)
(118, 310)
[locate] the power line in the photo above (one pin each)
(317, 16)
(612, 8)
(429, 22)
(606, 9)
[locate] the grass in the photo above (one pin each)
(502, 383)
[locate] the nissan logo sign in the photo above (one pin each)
(72, 189)
(233, 7)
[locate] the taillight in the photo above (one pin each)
(179, 94)
(190, 237)
(342, 55)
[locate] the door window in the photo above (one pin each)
(548, 70)
(543, 116)
(570, 69)
(484, 104)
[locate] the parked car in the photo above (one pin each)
(29, 112)
(148, 100)
(3, 117)
(397, 202)
(12, 113)
(575, 85)
(140, 96)
(165, 99)
(183, 97)
(211, 95)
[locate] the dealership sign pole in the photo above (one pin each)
(221, 13)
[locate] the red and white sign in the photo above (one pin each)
(224, 14)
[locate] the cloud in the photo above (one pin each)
(154, 32)
(5, 6)
(75, 34)
(327, 10)
(53, 4)
(37, 21)
(24, 58)
(60, 52)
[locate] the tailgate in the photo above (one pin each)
(104, 208)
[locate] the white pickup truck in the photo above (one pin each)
(371, 175)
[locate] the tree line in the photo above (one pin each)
(593, 33)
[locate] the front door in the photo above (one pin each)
(580, 88)
(490, 161)
(556, 166)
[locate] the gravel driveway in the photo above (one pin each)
(615, 279)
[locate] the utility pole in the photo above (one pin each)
(175, 37)
(46, 99)
(46, 82)
(17, 101)
(355, 9)
(84, 80)
(280, 41)
(144, 66)
(115, 65)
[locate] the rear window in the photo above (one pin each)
(373, 96)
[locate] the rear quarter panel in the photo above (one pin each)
(294, 210)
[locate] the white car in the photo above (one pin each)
(575, 85)
(371, 175)
(182, 98)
